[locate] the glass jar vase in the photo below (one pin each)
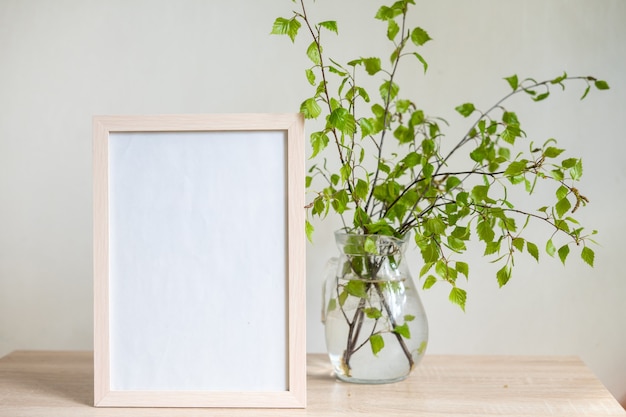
(375, 325)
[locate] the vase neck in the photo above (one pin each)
(370, 245)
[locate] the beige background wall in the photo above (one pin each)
(63, 61)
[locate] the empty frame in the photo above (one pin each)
(199, 290)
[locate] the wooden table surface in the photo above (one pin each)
(51, 384)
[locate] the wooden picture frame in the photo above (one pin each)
(199, 261)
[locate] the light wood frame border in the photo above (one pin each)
(293, 125)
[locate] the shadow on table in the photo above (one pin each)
(53, 378)
(319, 368)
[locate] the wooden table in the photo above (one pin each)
(51, 384)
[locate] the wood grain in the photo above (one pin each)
(51, 384)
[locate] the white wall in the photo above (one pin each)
(62, 62)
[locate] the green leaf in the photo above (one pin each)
(563, 252)
(332, 305)
(392, 29)
(427, 170)
(395, 55)
(601, 85)
(402, 106)
(314, 53)
(378, 110)
(516, 168)
(552, 152)
(381, 227)
(428, 248)
(422, 60)
(492, 247)
(478, 154)
(339, 72)
(320, 88)
(361, 218)
(403, 330)
(343, 296)
(480, 193)
(287, 27)
(409, 317)
(308, 228)
(310, 76)
(445, 271)
(411, 159)
(569, 162)
(463, 268)
(559, 79)
(465, 109)
(404, 134)
(319, 141)
(511, 133)
(280, 26)
(458, 296)
(422, 348)
(345, 172)
(373, 313)
(319, 206)
(518, 243)
(533, 250)
(340, 201)
(388, 90)
(530, 92)
(434, 226)
(363, 94)
(425, 268)
(386, 13)
(562, 225)
(377, 343)
(550, 248)
(562, 192)
(381, 193)
(462, 198)
(330, 25)
(356, 288)
(452, 182)
(456, 244)
(562, 207)
(343, 120)
(558, 174)
(367, 127)
(310, 109)
(370, 245)
(429, 282)
(586, 92)
(513, 81)
(588, 255)
(577, 170)
(485, 231)
(360, 189)
(508, 223)
(419, 36)
(503, 275)
(372, 65)
(510, 118)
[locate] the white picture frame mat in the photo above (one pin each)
(186, 214)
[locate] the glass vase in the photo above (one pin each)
(375, 325)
